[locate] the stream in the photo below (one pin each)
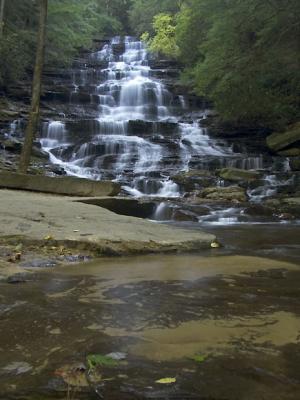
(224, 324)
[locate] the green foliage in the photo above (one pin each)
(71, 24)
(244, 55)
(66, 29)
(164, 40)
(142, 13)
(15, 55)
(247, 60)
(97, 360)
(16, 45)
(117, 9)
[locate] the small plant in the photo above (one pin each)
(98, 360)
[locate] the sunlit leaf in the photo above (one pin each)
(166, 381)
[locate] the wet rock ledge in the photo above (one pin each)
(34, 218)
(61, 186)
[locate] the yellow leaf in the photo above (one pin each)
(215, 245)
(48, 237)
(166, 381)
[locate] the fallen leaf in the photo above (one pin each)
(48, 237)
(166, 381)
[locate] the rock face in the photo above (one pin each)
(66, 185)
(231, 193)
(238, 175)
(287, 143)
(219, 128)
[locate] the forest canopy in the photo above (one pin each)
(242, 55)
(72, 24)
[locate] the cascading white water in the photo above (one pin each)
(138, 137)
(55, 134)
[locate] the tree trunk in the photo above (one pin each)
(2, 17)
(33, 120)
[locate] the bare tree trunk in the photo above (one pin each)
(33, 120)
(2, 17)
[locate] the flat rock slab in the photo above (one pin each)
(67, 185)
(123, 205)
(37, 217)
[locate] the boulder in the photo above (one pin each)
(39, 153)
(12, 145)
(69, 186)
(190, 180)
(57, 170)
(284, 141)
(184, 215)
(288, 207)
(15, 146)
(238, 175)
(230, 193)
(260, 210)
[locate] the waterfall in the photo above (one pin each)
(54, 134)
(138, 136)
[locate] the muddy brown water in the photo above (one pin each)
(237, 307)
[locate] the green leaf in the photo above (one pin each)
(98, 360)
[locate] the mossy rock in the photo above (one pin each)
(189, 180)
(230, 193)
(283, 141)
(237, 175)
(295, 164)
